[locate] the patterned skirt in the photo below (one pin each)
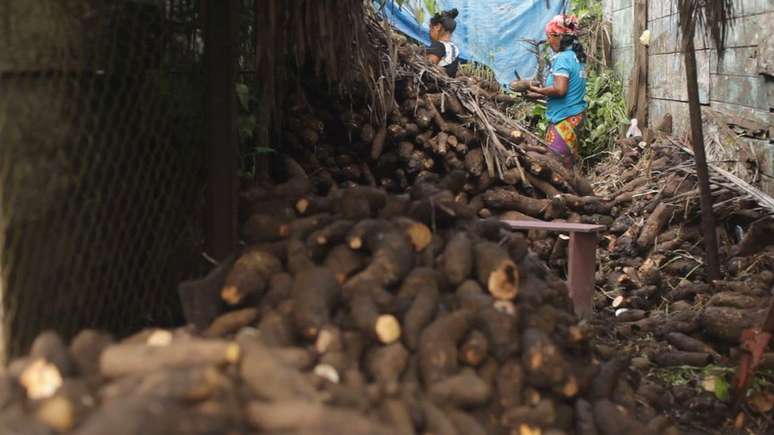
(562, 139)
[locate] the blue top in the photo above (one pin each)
(566, 64)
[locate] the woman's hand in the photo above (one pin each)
(535, 90)
(534, 95)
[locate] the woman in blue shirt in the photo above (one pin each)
(565, 88)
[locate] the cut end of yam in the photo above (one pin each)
(41, 380)
(420, 236)
(233, 353)
(57, 413)
(284, 230)
(231, 295)
(571, 387)
(387, 329)
(356, 243)
(503, 283)
(302, 205)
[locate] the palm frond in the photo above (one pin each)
(715, 17)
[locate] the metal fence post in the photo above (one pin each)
(221, 29)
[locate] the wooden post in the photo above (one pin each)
(711, 260)
(638, 85)
(221, 26)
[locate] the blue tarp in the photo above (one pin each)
(488, 31)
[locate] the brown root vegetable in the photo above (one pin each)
(471, 296)
(474, 349)
(268, 378)
(501, 330)
(311, 205)
(370, 321)
(362, 202)
(301, 228)
(356, 237)
(295, 188)
(509, 200)
(584, 420)
(542, 359)
(249, 276)
(474, 161)
(610, 419)
(496, 271)
(437, 118)
(655, 224)
(728, 323)
(465, 389)
(438, 356)
(606, 378)
(343, 261)
(688, 344)
(398, 414)
(510, 384)
(85, 351)
(302, 417)
(385, 364)
(261, 228)
(315, 291)
(200, 298)
(377, 145)
(298, 257)
(276, 330)
(131, 359)
(422, 286)
(465, 423)
(419, 234)
(331, 235)
(232, 322)
(436, 421)
(679, 358)
(279, 290)
(50, 347)
(392, 259)
(458, 259)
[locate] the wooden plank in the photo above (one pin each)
(583, 262)
(222, 24)
(563, 227)
(740, 90)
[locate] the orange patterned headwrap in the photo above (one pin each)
(562, 25)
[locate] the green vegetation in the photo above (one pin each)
(714, 379)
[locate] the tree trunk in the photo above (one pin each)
(712, 263)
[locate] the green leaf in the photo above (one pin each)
(243, 94)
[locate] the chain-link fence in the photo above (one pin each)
(100, 163)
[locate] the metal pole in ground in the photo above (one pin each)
(221, 26)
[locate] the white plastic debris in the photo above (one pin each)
(645, 38)
(633, 131)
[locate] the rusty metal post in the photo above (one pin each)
(221, 29)
(712, 262)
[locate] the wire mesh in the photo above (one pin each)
(100, 163)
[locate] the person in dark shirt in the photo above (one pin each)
(442, 51)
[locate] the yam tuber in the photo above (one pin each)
(496, 271)
(458, 259)
(438, 355)
(249, 276)
(315, 290)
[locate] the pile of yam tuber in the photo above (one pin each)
(350, 310)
